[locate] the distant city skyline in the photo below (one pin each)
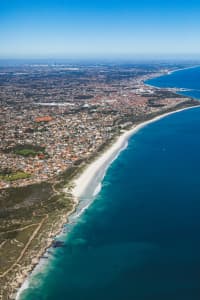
(66, 28)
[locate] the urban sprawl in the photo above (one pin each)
(55, 116)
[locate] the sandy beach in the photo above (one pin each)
(89, 180)
(97, 169)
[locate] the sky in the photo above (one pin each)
(78, 28)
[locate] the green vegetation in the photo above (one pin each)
(10, 175)
(14, 176)
(27, 216)
(28, 150)
(30, 215)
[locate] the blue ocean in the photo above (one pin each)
(188, 79)
(140, 237)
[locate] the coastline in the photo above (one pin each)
(166, 74)
(91, 177)
(84, 180)
(182, 69)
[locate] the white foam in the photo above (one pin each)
(97, 189)
(24, 286)
(96, 172)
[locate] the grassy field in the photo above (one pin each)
(13, 176)
(28, 150)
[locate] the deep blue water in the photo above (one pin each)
(187, 79)
(140, 239)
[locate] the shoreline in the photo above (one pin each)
(84, 180)
(166, 74)
(182, 69)
(95, 171)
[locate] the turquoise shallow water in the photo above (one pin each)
(140, 238)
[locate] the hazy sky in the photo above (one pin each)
(39, 28)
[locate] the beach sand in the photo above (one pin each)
(97, 169)
(89, 180)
